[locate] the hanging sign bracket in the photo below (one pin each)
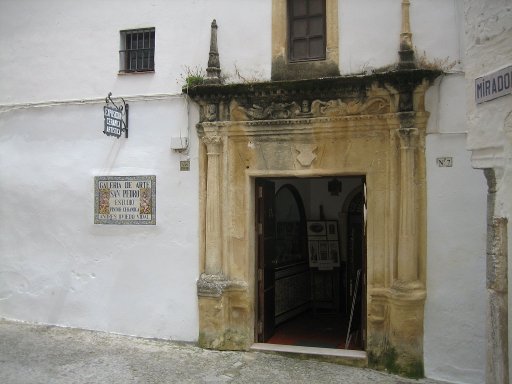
(116, 117)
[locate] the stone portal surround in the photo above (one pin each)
(372, 125)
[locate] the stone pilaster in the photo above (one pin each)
(407, 293)
(224, 308)
(407, 258)
(497, 371)
(213, 231)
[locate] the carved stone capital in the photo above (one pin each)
(209, 112)
(490, 177)
(408, 137)
(211, 141)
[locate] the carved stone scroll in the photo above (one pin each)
(373, 106)
(319, 108)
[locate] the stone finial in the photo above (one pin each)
(406, 52)
(213, 70)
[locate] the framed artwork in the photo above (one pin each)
(313, 253)
(316, 228)
(323, 252)
(332, 230)
(334, 253)
(323, 242)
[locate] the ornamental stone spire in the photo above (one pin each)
(213, 70)
(406, 52)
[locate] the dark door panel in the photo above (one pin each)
(265, 227)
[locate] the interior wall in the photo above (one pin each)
(314, 193)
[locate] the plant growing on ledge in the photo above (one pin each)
(192, 77)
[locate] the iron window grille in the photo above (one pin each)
(307, 31)
(137, 53)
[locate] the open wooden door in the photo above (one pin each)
(356, 270)
(265, 227)
(364, 265)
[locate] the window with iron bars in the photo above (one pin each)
(137, 53)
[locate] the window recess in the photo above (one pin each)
(137, 53)
(306, 27)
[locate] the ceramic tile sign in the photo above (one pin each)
(125, 200)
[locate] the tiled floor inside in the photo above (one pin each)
(310, 329)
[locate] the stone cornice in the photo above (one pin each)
(349, 85)
(360, 123)
(405, 80)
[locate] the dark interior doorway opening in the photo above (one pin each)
(311, 261)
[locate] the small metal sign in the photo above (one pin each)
(185, 165)
(116, 118)
(444, 161)
(125, 200)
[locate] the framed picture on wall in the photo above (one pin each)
(323, 252)
(332, 230)
(316, 228)
(313, 253)
(334, 253)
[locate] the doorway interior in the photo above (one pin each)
(311, 261)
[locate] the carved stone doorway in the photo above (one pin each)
(361, 125)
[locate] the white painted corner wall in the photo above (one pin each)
(454, 341)
(488, 32)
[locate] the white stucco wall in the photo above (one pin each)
(58, 62)
(58, 267)
(488, 33)
(455, 308)
(370, 32)
(71, 51)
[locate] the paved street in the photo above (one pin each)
(40, 354)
